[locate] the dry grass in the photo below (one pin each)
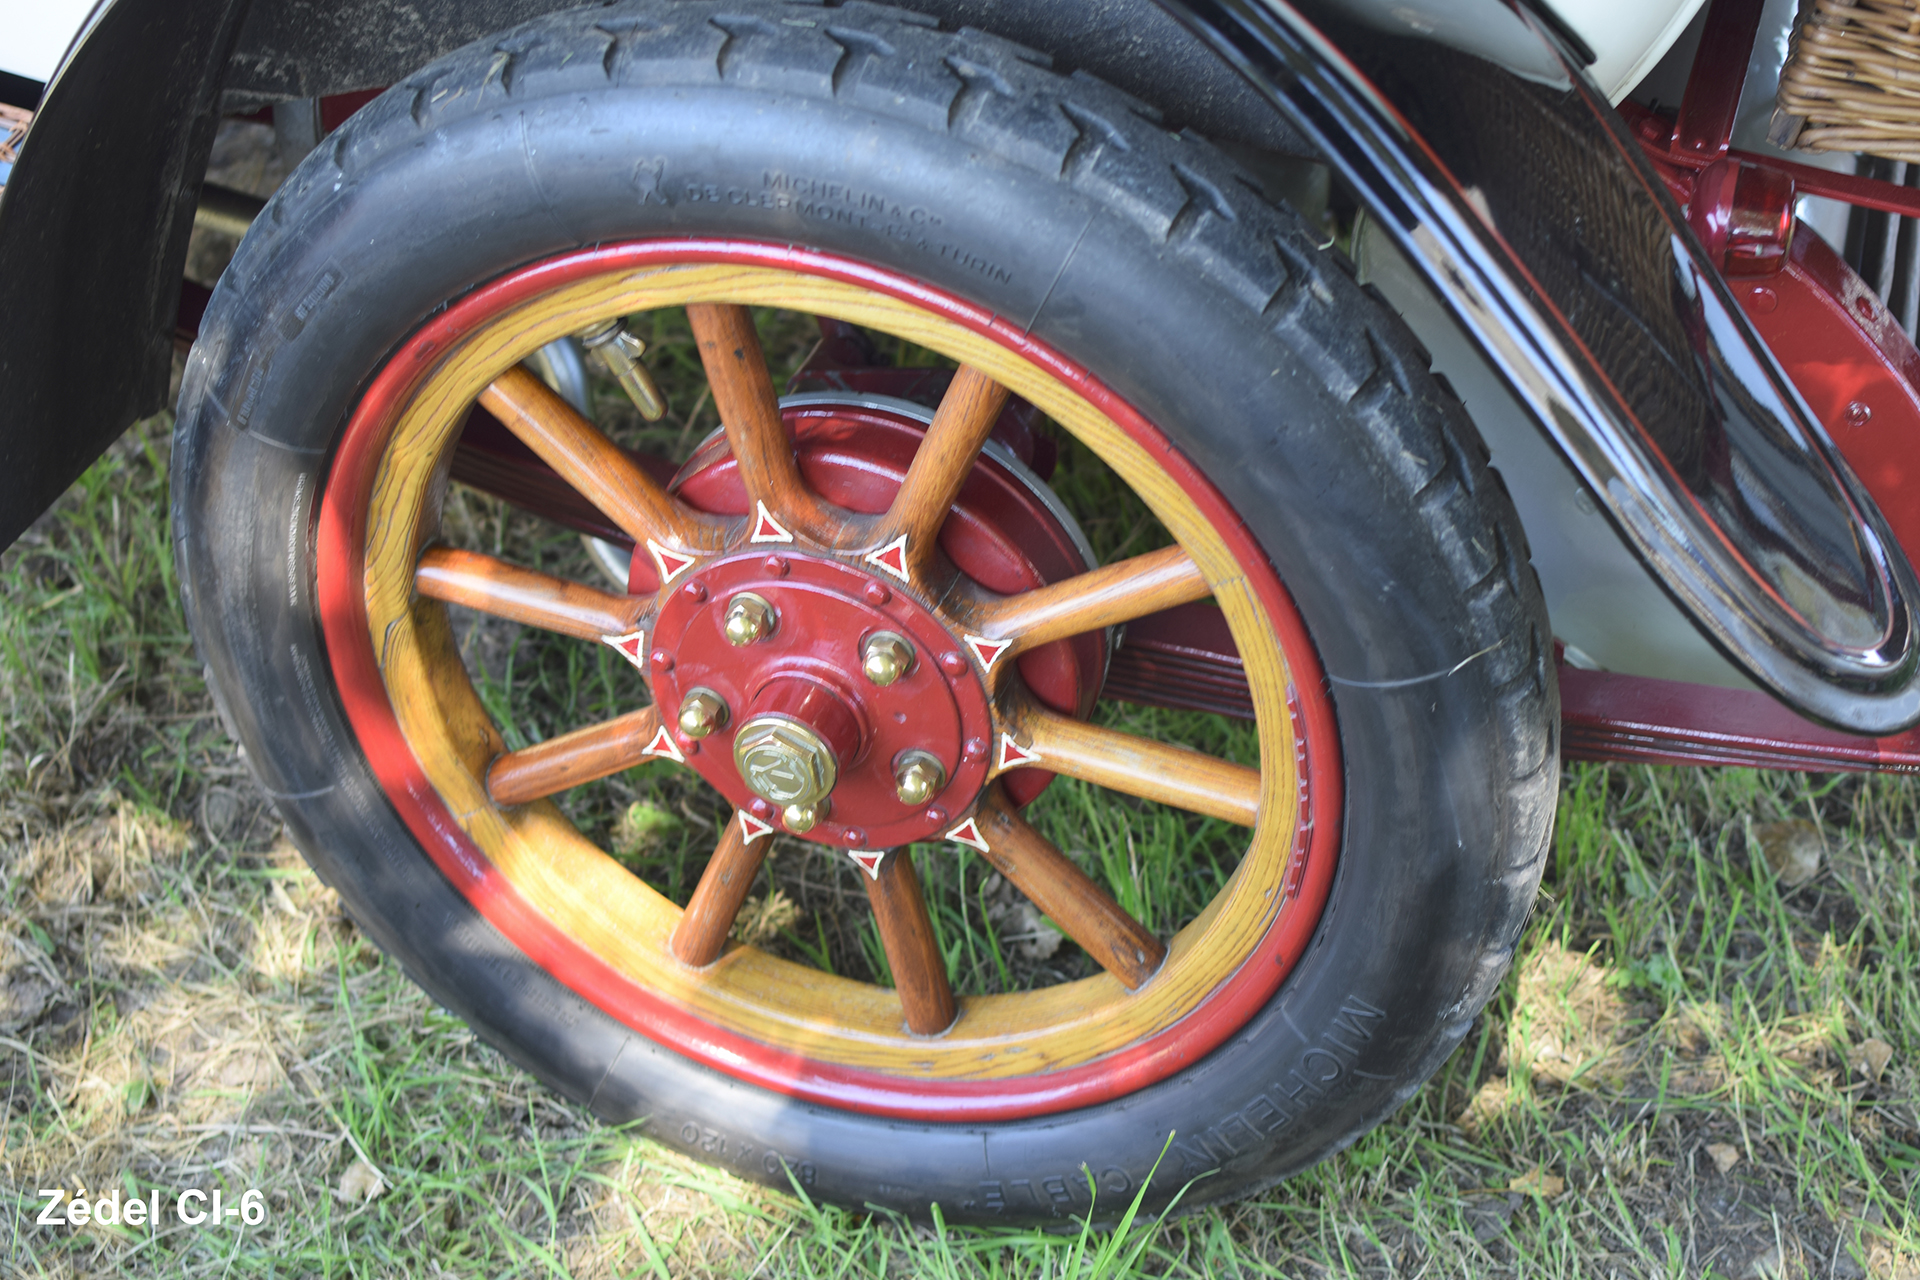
(1705, 1064)
(1695, 1070)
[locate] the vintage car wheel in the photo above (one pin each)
(1046, 236)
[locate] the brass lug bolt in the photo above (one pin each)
(885, 657)
(618, 352)
(917, 777)
(802, 818)
(701, 712)
(749, 618)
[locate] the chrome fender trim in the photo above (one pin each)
(1503, 174)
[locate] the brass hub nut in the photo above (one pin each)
(918, 777)
(749, 618)
(784, 761)
(701, 712)
(885, 657)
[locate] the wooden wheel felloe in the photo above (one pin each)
(783, 718)
(925, 659)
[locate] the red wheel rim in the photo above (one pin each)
(342, 542)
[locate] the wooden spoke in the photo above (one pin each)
(599, 469)
(1141, 767)
(702, 932)
(1105, 596)
(919, 970)
(524, 595)
(572, 758)
(750, 412)
(960, 427)
(1051, 881)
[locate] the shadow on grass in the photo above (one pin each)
(1695, 1069)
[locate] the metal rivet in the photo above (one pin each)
(953, 664)
(662, 659)
(974, 748)
(697, 591)
(856, 837)
(777, 566)
(749, 618)
(885, 657)
(877, 593)
(935, 814)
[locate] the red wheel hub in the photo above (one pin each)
(807, 669)
(1006, 533)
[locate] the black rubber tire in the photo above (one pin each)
(959, 159)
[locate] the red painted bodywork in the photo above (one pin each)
(1850, 361)
(1705, 125)
(1605, 716)
(341, 537)
(1858, 372)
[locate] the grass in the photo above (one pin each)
(1694, 1069)
(181, 1004)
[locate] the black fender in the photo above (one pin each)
(1467, 126)
(94, 223)
(93, 234)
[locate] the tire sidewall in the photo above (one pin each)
(388, 223)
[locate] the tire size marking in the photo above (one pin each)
(294, 523)
(1322, 1069)
(316, 293)
(1058, 1193)
(744, 1155)
(819, 200)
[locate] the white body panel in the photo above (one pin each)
(1628, 36)
(34, 35)
(1603, 605)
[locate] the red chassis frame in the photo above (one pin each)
(1857, 370)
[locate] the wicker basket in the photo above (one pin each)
(1852, 79)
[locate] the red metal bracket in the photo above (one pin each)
(1705, 127)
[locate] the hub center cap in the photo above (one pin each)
(809, 738)
(784, 762)
(797, 734)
